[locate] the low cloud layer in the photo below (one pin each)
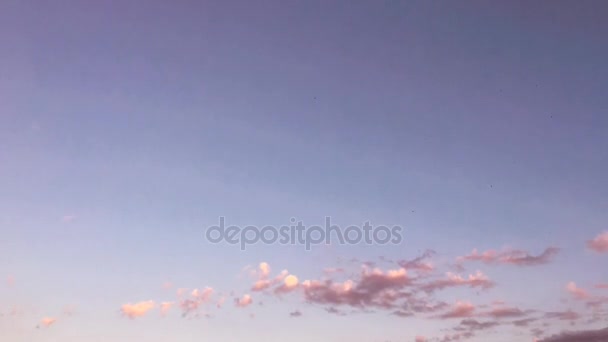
(580, 336)
(402, 290)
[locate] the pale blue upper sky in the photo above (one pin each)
(471, 124)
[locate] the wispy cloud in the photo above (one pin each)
(138, 309)
(453, 280)
(505, 312)
(165, 307)
(512, 257)
(420, 263)
(459, 310)
(576, 292)
(68, 218)
(47, 322)
(567, 315)
(220, 302)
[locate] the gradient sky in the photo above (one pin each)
(128, 127)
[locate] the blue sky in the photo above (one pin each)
(128, 128)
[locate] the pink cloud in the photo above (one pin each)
(220, 302)
(376, 280)
(165, 307)
(196, 299)
(261, 285)
(263, 281)
(68, 218)
(189, 306)
(453, 280)
(512, 257)
(599, 244)
(244, 301)
(138, 309)
(328, 292)
(576, 292)
(47, 322)
(202, 295)
(375, 288)
(505, 312)
(460, 310)
(279, 278)
(420, 339)
(487, 256)
(263, 270)
(290, 282)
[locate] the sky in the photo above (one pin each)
(128, 128)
